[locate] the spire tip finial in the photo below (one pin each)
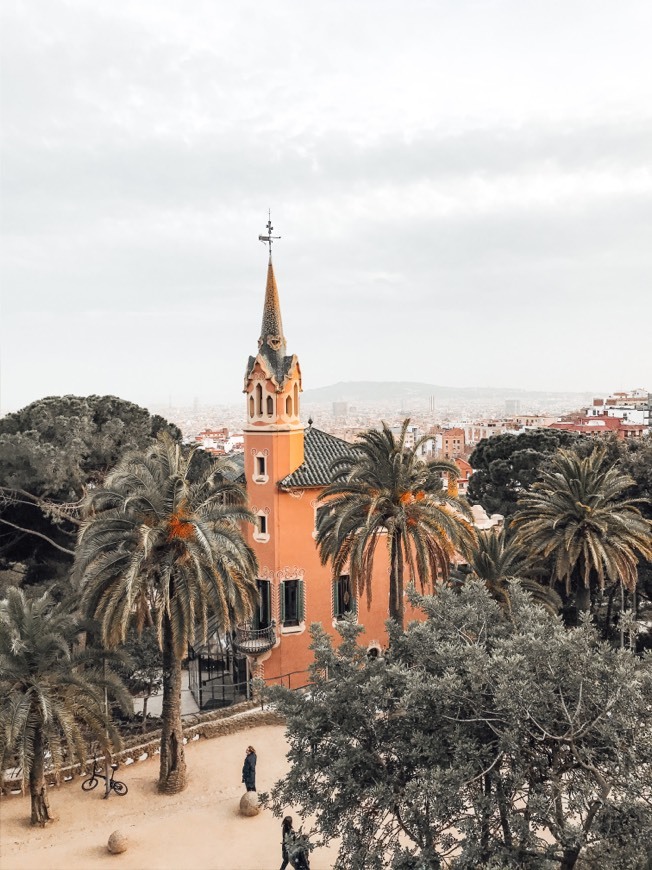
(269, 238)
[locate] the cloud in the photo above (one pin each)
(442, 178)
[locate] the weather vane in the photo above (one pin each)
(269, 238)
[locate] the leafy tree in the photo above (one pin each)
(144, 675)
(480, 741)
(51, 700)
(385, 487)
(50, 452)
(496, 560)
(170, 551)
(578, 518)
(506, 466)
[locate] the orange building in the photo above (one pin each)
(452, 443)
(286, 467)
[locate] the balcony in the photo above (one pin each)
(254, 641)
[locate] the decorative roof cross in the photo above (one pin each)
(269, 238)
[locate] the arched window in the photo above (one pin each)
(251, 406)
(288, 406)
(296, 399)
(259, 400)
(270, 406)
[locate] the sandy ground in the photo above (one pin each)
(199, 829)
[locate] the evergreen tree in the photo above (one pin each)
(480, 741)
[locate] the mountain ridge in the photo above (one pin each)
(375, 391)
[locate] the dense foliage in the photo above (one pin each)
(507, 465)
(479, 741)
(50, 453)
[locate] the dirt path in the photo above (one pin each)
(199, 829)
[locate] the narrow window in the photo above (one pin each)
(263, 609)
(288, 406)
(260, 466)
(262, 524)
(292, 602)
(343, 599)
(259, 400)
(270, 406)
(251, 406)
(296, 400)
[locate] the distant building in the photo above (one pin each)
(340, 410)
(453, 443)
(633, 407)
(512, 407)
(461, 485)
(601, 425)
(474, 432)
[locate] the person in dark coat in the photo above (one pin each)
(292, 848)
(286, 829)
(249, 769)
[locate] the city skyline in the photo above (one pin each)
(463, 191)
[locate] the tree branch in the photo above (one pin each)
(38, 535)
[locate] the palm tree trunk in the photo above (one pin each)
(622, 615)
(172, 772)
(582, 598)
(37, 786)
(396, 609)
(607, 619)
(145, 700)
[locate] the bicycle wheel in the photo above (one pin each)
(89, 784)
(119, 788)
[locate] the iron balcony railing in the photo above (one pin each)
(254, 641)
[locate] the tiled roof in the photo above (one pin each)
(235, 467)
(320, 449)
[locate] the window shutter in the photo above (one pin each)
(281, 593)
(301, 601)
(334, 590)
(267, 592)
(354, 599)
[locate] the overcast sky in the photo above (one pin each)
(464, 191)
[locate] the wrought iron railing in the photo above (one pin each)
(254, 641)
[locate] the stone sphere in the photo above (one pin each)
(249, 804)
(117, 843)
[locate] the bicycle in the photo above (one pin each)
(120, 788)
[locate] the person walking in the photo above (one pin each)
(249, 769)
(286, 829)
(292, 850)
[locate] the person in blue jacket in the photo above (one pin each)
(249, 769)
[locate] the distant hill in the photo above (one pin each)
(379, 392)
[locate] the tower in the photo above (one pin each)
(273, 433)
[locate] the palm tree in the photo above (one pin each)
(496, 560)
(156, 547)
(50, 701)
(383, 486)
(578, 517)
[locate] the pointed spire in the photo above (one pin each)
(272, 341)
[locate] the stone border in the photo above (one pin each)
(216, 723)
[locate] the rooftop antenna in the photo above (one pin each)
(269, 238)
